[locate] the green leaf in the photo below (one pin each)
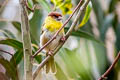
(86, 35)
(2, 24)
(13, 43)
(7, 33)
(17, 25)
(38, 58)
(117, 32)
(30, 3)
(87, 15)
(66, 57)
(100, 52)
(17, 45)
(9, 68)
(98, 12)
(17, 57)
(106, 25)
(74, 64)
(44, 4)
(35, 24)
(60, 75)
(112, 5)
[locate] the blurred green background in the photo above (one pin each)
(86, 55)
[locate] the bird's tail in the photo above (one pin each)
(50, 65)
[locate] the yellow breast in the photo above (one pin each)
(52, 25)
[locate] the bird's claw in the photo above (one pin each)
(63, 38)
(105, 78)
(50, 53)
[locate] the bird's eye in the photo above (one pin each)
(59, 18)
(55, 16)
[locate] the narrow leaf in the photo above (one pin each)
(87, 15)
(17, 25)
(9, 68)
(35, 24)
(44, 4)
(30, 3)
(17, 57)
(11, 42)
(98, 12)
(7, 33)
(38, 58)
(83, 34)
(60, 75)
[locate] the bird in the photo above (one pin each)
(53, 22)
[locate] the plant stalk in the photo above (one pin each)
(26, 42)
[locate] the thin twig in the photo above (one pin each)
(61, 43)
(81, 11)
(6, 52)
(26, 41)
(54, 37)
(35, 6)
(31, 9)
(110, 68)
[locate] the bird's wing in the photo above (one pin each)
(42, 30)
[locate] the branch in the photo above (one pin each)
(26, 42)
(54, 37)
(81, 11)
(61, 43)
(110, 68)
(33, 8)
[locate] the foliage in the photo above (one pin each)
(87, 15)
(64, 5)
(86, 61)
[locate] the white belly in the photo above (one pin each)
(45, 37)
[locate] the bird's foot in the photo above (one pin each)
(63, 38)
(50, 53)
